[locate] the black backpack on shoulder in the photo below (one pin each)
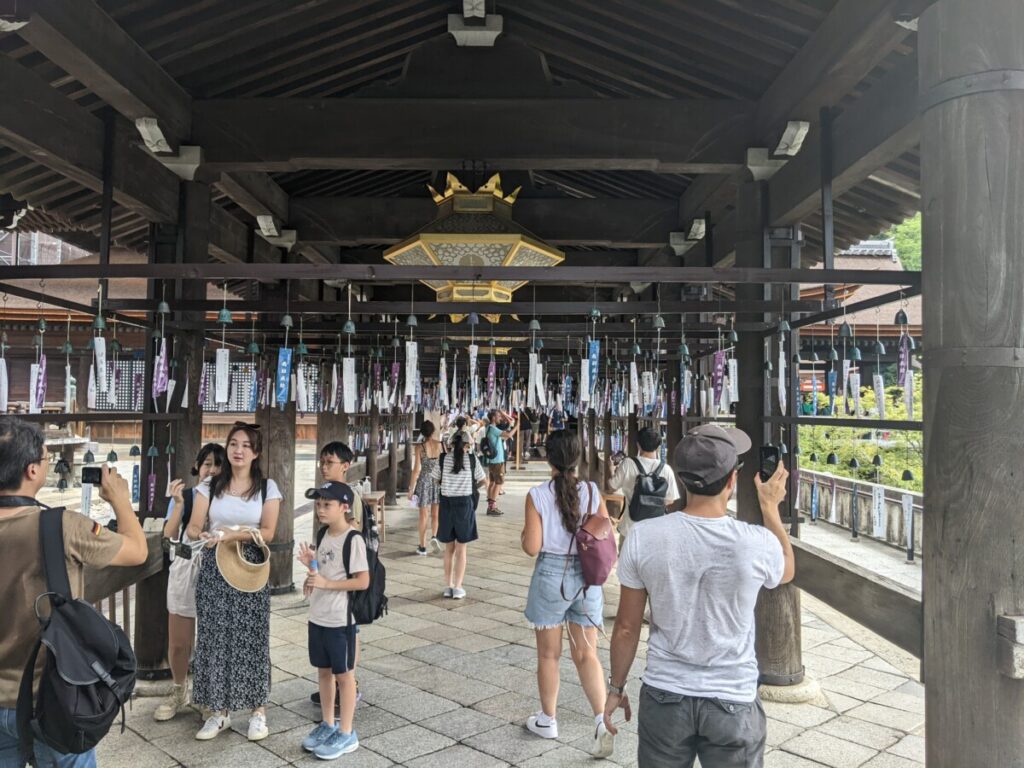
(89, 672)
(649, 493)
(370, 604)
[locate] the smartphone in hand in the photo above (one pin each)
(769, 461)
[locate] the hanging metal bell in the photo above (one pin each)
(152, 452)
(855, 354)
(41, 325)
(659, 322)
(349, 328)
(908, 476)
(813, 457)
(538, 345)
(732, 336)
(473, 319)
(163, 308)
(534, 325)
(492, 343)
(67, 348)
(253, 348)
(783, 449)
(636, 349)
(112, 456)
(684, 350)
(845, 331)
(134, 451)
(833, 354)
(170, 450)
(901, 318)
(88, 458)
(784, 327)
(411, 321)
(396, 342)
(832, 459)
(224, 317)
(768, 366)
(302, 349)
(854, 464)
(287, 322)
(877, 460)
(795, 359)
(911, 344)
(879, 348)
(99, 324)
(115, 347)
(445, 347)
(37, 340)
(815, 358)
(595, 313)
(62, 484)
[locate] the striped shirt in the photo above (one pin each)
(454, 484)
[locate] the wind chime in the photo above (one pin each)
(164, 375)
(685, 374)
(851, 377)
(255, 378)
(37, 372)
(349, 383)
(284, 356)
(782, 382)
(222, 364)
(905, 376)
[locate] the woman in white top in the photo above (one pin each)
(181, 579)
(232, 661)
(557, 596)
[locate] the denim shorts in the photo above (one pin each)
(46, 757)
(545, 606)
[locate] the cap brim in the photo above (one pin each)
(313, 493)
(739, 439)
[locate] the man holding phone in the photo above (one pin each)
(23, 466)
(702, 571)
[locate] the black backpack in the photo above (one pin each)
(648, 493)
(370, 604)
(488, 450)
(89, 672)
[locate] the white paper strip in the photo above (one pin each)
(474, 389)
(348, 384)
(855, 391)
(92, 386)
(301, 394)
(879, 383)
(442, 384)
(723, 401)
(86, 499)
(585, 385)
(222, 376)
(846, 378)
(782, 379)
(531, 392)
(542, 395)
(4, 387)
(171, 384)
(734, 380)
(908, 520)
(333, 405)
(878, 512)
(634, 387)
(908, 393)
(412, 354)
(100, 350)
(68, 396)
(33, 382)
(703, 401)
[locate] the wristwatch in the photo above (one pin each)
(618, 690)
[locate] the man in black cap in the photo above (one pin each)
(702, 571)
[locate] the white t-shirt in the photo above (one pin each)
(703, 576)
(329, 607)
(624, 480)
(226, 511)
(557, 540)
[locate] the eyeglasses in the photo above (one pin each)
(328, 462)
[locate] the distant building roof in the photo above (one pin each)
(872, 248)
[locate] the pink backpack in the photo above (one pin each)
(595, 545)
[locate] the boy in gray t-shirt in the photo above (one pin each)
(702, 571)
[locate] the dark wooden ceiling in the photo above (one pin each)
(334, 48)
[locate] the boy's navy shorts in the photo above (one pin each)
(332, 647)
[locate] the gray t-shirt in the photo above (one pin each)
(703, 576)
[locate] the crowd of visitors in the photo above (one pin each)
(696, 573)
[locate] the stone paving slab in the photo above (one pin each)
(450, 683)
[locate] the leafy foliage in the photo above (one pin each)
(907, 237)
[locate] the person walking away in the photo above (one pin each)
(542, 428)
(232, 659)
(458, 473)
(702, 571)
(498, 428)
(631, 470)
(423, 489)
(332, 637)
(335, 461)
(527, 417)
(554, 511)
(181, 580)
(24, 463)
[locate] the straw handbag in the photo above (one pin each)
(239, 572)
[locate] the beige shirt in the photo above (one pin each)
(624, 480)
(329, 607)
(86, 542)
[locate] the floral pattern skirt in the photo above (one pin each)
(232, 656)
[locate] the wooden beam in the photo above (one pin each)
(85, 42)
(624, 257)
(852, 40)
(46, 126)
(256, 193)
(405, 274)
(880, 604)
(665, 135)
(708, 192)
(601, 222)
(876, 129)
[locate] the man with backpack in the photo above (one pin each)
(71, 542)
(646, 481)
(500, 427)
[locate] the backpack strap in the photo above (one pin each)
(346, 558)
(25, 711)
(51, 540)
(320, 536)
(188, 499)
(639, 466)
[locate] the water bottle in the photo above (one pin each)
(314, 566)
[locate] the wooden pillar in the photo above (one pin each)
(373, 446)
(279, 461)
(392, 491)
(778, 610)
(632, 433)
(408, 449)
(972, 163)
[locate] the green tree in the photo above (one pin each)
(907, 237)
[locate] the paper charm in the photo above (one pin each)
(855, 391)
(717, 376)
(585, 385)
(86, 498)
(846, 386)
(782, 379)
(473, 386)
(92, 386)
(3, 385)
(879, 383)
(542, 396)
(284, 375)
(204, 384)
(151, 492)
(442, 384)
(348, 384)
(222, 376)
(40, 390)
(135, 484)
(531, 392)
(160, 370)
(814, 500)
(878, 522)
(595, 359)
(908, 392)
(412, 359)
(301, 395)
(99, 345)
(67, 389)
(33, 383)
(734, 380)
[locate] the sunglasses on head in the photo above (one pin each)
(243, 425)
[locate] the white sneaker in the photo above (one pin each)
(213, 727)
(172, 705)
(448, 591)
(258, 727)
(549, 731)
(435, 545)
(458, 593)
(604, 741)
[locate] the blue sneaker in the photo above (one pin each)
(337, 745)
(318, 736)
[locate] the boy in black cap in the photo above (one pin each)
(702, 570)
(336, 566)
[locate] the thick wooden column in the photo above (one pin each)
(778, 610)
(279, 461)
(392, 489)
(972, 156)
(632, 433)
(373, 446)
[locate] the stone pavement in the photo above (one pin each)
(450, 683)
